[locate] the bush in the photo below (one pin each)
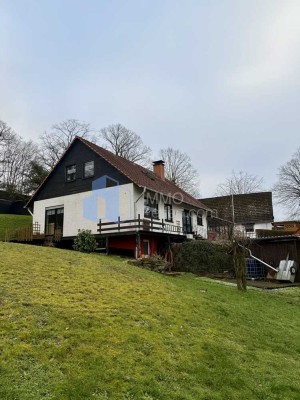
(201, 257)
(85, 241)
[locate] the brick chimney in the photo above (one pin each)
(159, 169)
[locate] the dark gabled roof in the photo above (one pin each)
(248, 208)
(139, 175)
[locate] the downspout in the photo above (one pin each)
(29, 211)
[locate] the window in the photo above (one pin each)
(199, 218)
(150, 206)
(71, 173)
(186, 222)
(249, 228)
(88, 169)
(54, 220)
(168, 213)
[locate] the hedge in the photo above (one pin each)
(201, 257)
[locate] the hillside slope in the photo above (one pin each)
(76, 326)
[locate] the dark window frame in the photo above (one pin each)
(54, 212)
(187, 225)
(66, 173)
(84, 173)
(168, 212)
(249, 227)
(199, 218)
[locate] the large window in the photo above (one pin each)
(71, 173)
(150, 206)
(168, 213)
(54, 220)
(88, 169)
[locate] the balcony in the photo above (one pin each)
(139, 224)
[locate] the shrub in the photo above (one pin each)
(85, 241)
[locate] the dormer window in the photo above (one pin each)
(71, 173)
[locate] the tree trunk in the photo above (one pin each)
(239, 266)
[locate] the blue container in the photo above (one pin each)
(255, 269)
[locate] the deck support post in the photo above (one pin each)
(137, 245)
(106, 245)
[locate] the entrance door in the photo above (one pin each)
(146, 248)
(54, 221)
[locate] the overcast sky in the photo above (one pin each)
(217, 79)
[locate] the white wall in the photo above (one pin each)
(262, 225)
(83, 210)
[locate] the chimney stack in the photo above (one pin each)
(159, 169)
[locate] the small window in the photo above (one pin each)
(199, 218)
(88, 169)
(168, 213)
(249, 228)
(71, 173)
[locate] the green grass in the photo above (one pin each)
(76, 326)
(11, 221)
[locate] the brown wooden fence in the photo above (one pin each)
(31, 233)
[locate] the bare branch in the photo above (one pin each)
(54, 143)
(179, 170)
(125, 143)
(240, 183)
(287, 188)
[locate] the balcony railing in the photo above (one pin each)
(139, 224)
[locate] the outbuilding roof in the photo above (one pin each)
(247, 208)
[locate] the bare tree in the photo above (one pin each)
(240, 183)
(125, 143)
(55, 142)
(19, 155)
(7, 136)
(179, 170)
(287, 188)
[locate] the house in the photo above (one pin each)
(132, 209)
(287, 227)
(249, 212)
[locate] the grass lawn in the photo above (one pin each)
(11, 221)
(75, 326)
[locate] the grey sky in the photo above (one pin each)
(217, 79)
